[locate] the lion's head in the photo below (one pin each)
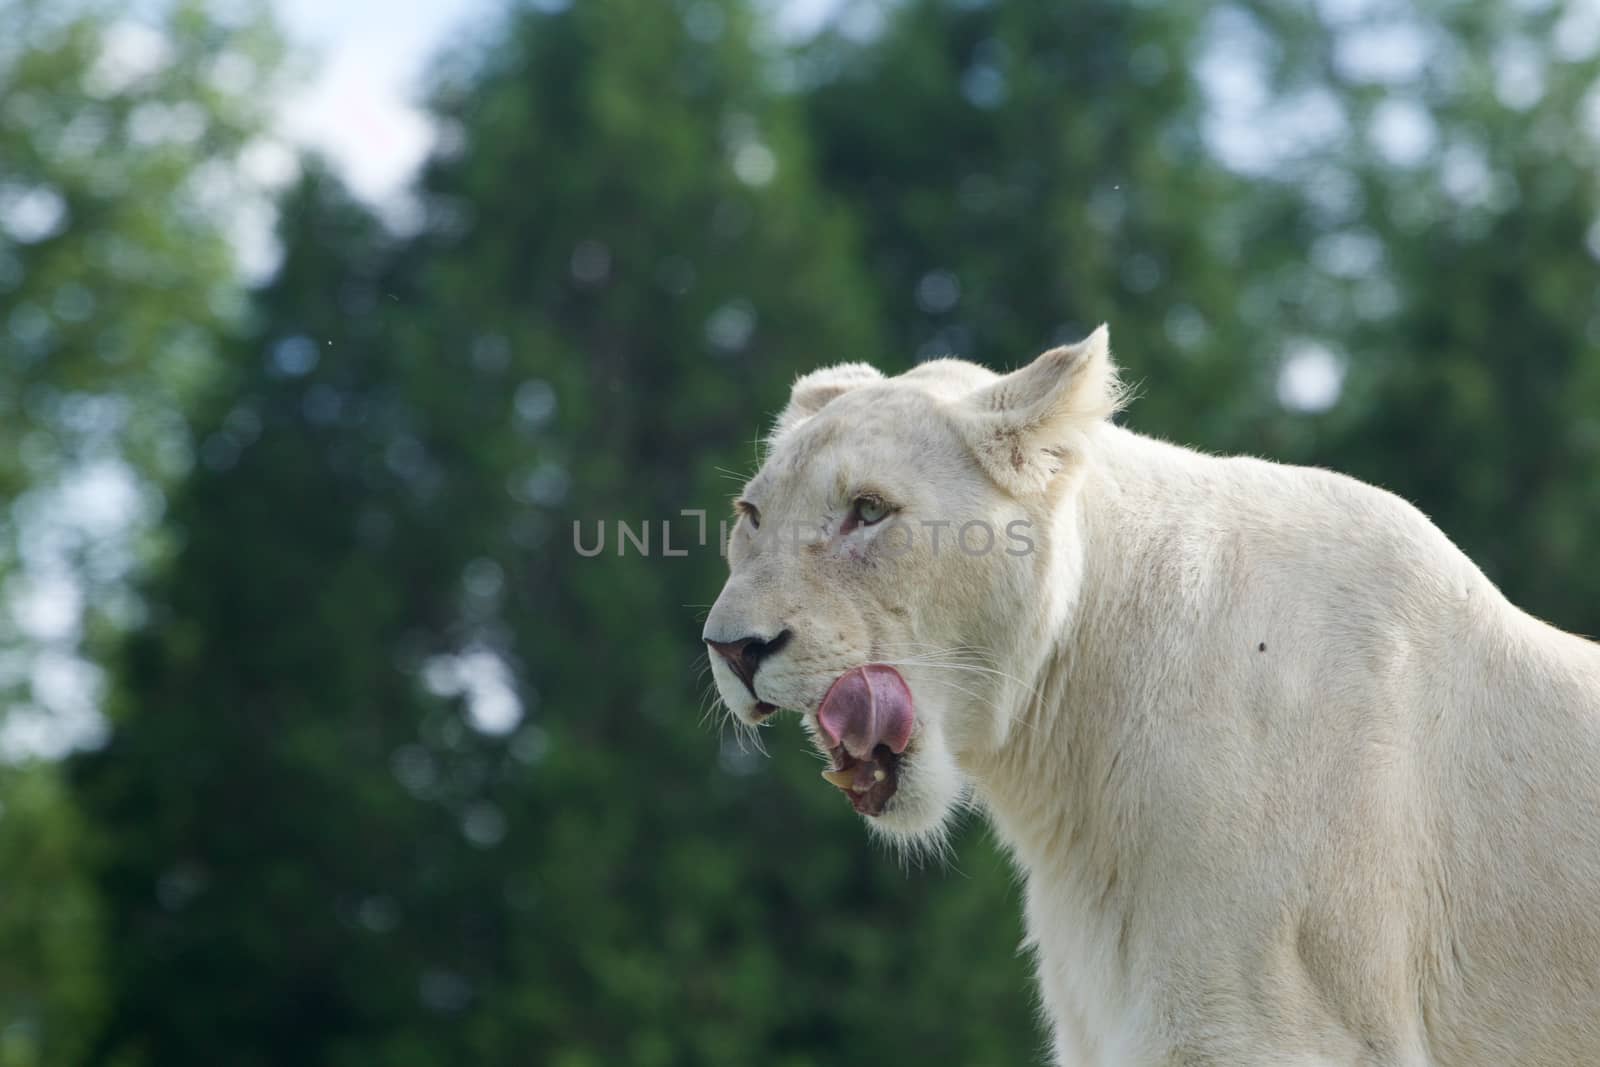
(901, 562)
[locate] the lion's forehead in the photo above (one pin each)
(875, 433)
(946, 379)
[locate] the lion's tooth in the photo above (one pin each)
(842, 779)
(879, 774)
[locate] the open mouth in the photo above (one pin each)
(866, 719)
(870, 782)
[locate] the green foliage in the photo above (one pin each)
(1027, 170)
(118, 141)
(51, 974)
(624, 250)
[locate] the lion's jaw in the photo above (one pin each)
(955, 587)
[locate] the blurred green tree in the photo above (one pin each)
(240, 846)
(1023, 171)
(52, 986)
(120, 137)
(121, 143)
(321, 782)
(1449, 222)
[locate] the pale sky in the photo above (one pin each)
(368, 58)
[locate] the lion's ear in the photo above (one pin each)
(812, 392)
(1025, 427)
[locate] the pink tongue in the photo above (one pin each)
(867, 707)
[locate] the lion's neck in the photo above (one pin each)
(1064, 789)
(1059, 789)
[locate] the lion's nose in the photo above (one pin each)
(745, 655)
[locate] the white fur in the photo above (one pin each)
(1377, 841)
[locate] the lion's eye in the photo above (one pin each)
(869, 510)
(751, 513)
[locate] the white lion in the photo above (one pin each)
(1290, 780)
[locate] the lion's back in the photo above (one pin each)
(1470, 735)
